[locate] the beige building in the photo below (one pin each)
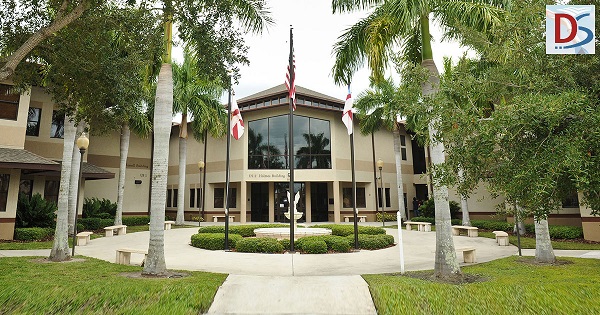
(259, 165)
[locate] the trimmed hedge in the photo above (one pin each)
(345, 230)
(565, 232)
(243, 230)
(338, 244)
(132, 221)
(388, 217)
(372, 241)
(214, 241)
(259, 245)
(93, 224)
(312, 245)
(285, 243)
(33, 234)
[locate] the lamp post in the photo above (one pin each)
(381, 195)
(82, 143)
(200, 192)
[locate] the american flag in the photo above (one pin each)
(290, 75)
(237, 123)
(348, 116)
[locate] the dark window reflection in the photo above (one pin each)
(268, 143)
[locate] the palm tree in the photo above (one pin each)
(373, 38)
(378, 108)
(193, 95)
(74, 181)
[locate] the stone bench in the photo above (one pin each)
(468, 254)
(217, 217)
(361, 218)
(121, 230)
(83, 238)
(124, 255)
(501, 238)
(421, 226)
(168, 224)
(471, 230)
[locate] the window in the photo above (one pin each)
(57, 130)
(4, 181)
(199, 197)
(192, 197)
(9, 102)
(268, 143)
(571, 201)
(33, 121)
(195, 197)
(361, 201)
(51, 190)
(403, 147)
(26, 187)
(169, 197)
(387, 197)
(220, 197)
(175, 193)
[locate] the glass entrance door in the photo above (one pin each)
(318, 202)
(259, 202)
(282, 202)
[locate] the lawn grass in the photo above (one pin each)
(96, 287)
(510, 287)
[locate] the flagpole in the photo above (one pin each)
(227, 169)
(354, 188)
(291, 142)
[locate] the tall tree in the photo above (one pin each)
(373, 38)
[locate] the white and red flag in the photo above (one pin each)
(348, 115)
(290, 75)
(237, 123)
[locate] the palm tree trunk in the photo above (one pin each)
(446, 263)
(543, 245)
(74, 181)
(398, 158)
(155, 264)
(464, 205)
(124, 151)
(181, 191)
(61, 21)
(60, 248)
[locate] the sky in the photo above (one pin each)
(316, 29)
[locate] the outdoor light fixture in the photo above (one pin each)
(201, 192)
(82, 143)
(380, 167)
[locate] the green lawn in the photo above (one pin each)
(511, 287)
(96, 287)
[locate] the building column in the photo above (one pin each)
(307, 202)
(244, 201)
(271, 202)
(337, 202)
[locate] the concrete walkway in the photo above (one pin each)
(283, 283)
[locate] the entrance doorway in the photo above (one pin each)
(282, 203)
(259, 203)
(318, 202)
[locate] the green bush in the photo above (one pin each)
(336, 243)
(388, 217)
(33, 234)
(133, 221)
(432, 220)
(493, 225)
(345, 230)
(312, 245)
(259, 245)
(35, 212)
(427, 209)
(243, 230)
(285, 243)
(96, 208)
(214, 241)
(94, 224)
(372, 241)
(565, 232)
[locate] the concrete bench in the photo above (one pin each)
(501, 238)
(421, 226)
(471, 230)
(468, 254)
(361, 218)
(217, 217)
(121, 230)
(124, 255)
(167, 224)
(83, 238)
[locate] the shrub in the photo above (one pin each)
(214, 241)
(132, 221)
(345, 230)
(35, 212)
(285, 243)
(337, 244)
(243, 230)
(423, 219)
(565, 232)
(96, 208)
(94, 223)
(427, 209)
(33, 234)
(312, 245)
(259, 245)
(372, 241)
(388, 217)
(493, 225)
